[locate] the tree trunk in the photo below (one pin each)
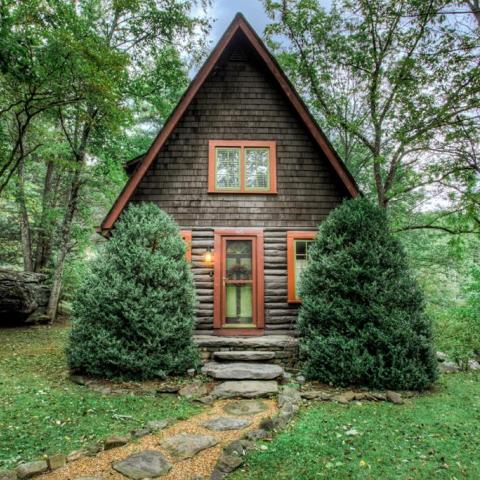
(25, 233)
(44, 239)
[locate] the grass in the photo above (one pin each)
(431, 437)
(42, 412)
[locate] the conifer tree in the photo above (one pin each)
(362, 316)
(133, 316)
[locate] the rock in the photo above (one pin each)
(78, 379)
(286, 378)
(264, 341)
(168, 389)
(268, 424)
(441, 357)
(75, 455)
(242, 371)
(473, 365)
(345, 397)
(155, 425)
(245, 407)
(238, 447)
(8, 475)
(244, 355)
(56, 461)
(220, 424)
(94, 449)
(191, 372)
(88, 478)
(245, 389)
(394, 397)
(23, 298)
(147, 464)
(289, 395)
(185, 445)
(30, 469)
(115, 441)
(228, 463)
(300, 379)
(193, 390)
(448, 367)
(257, 434)
(139, 432)
(315, 395)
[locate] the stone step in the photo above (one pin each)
(242, 371)
(266, 342)
(245, 389)
(244, 355)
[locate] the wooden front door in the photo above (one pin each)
(238, 293)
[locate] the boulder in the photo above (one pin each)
(245, 389)
(242, 371)
(221, 424)
(245, 407)
(30, 469)
(185, 445)
(23, 298)
(147, 464)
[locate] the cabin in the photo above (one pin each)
(244, 169)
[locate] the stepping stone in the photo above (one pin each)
(185, 445)
(147, 464)
(221, 424)
(245, 389)
(242, 371)
(244, 355)
(245, 407)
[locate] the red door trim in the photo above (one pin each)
(259, 281)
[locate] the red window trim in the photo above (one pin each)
(217, 282)
(187, 238)
(242, 144)
(291, 237)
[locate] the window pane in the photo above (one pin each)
(239, 305)
(301, 259)
(239, 260)
(227, 168)
(257, 167)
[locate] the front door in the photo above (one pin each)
(238, 295)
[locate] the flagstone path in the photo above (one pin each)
(201, 464)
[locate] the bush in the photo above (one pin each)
(133, 316)
(362, 316)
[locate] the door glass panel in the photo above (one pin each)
(239, 304)
(239, 260)
(257, 166)
(227, 168)
(301, 258)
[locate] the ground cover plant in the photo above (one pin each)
(134, 313)
(41, 411)
(433, 436)
(362, 314)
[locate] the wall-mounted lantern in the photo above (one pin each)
(208, 258)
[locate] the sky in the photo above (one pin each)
(223, 11)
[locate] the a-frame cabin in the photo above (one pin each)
(246, 172)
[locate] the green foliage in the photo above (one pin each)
(362, 313)
(42, 412)
(133, 316)
(433, 436)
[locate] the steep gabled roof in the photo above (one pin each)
(239, 23)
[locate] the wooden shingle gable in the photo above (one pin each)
(239, 26)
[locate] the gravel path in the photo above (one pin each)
(201, 464)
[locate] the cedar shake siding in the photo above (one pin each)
(241, 100)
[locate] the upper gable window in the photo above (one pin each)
(242, 166)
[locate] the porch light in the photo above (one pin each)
(208, 257)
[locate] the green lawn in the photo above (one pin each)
(42, 412)
(432, 437)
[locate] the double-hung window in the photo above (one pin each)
(242, 166)
(298, 247)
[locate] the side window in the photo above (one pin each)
(187, 238)
(298, 246)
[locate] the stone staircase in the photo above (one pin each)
(247, 366)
